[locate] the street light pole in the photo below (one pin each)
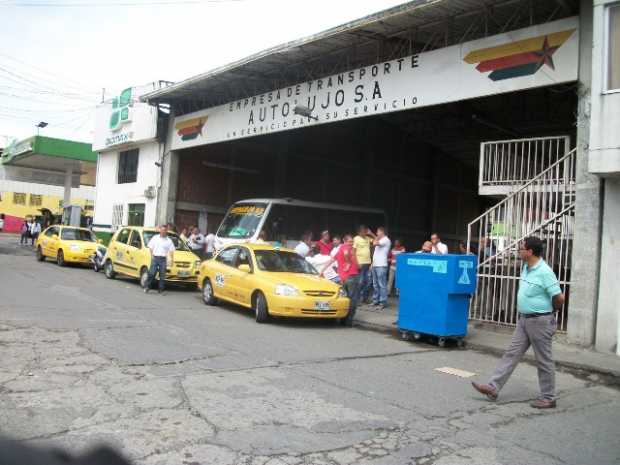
(41, 125)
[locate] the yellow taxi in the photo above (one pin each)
(66, 244)
(271, 282)
(128, 254)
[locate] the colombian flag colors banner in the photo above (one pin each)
(518, 58)
(190, 129)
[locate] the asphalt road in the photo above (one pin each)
(169, 380)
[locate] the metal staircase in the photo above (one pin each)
(542, 206)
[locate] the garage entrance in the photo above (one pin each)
(420, 166)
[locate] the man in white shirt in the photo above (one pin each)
(209, 246)
(161, 247)
(303, 248)
(196, 242)
(379, 268)
(35, 230)
(438, 246)
(319, 261)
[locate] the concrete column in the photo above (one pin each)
(588, 203)
(68, 183)
(167, 198)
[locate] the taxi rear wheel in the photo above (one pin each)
(144, 277)
(60, 258)
(108, 269)
(207, 293)
(40, 256)
(261, 312)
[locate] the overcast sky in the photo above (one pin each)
(56, 58)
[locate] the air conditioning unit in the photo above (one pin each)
(149, 192)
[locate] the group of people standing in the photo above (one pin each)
(364, 264)
(201, 244)
(30, 230)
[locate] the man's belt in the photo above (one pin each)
(535, 315)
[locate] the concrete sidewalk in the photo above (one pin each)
(496, 339)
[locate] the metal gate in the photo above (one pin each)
(542, 206)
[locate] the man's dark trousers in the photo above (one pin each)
(157, 264)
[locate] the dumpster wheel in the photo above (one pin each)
(441, 342)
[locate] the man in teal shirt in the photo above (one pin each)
(538, 299)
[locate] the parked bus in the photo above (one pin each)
(285, 220)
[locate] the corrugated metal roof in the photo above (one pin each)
(412, 27)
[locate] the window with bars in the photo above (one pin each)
(117, 216)
(19, 198)
(36, 200)
(128, 166)
(613, 47)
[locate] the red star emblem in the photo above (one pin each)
(545, 55)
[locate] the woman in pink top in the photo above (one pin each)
(398, 249)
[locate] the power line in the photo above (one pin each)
(42, 92)
(48, 112)
(40, 83)
(122, 3)
(65, 80)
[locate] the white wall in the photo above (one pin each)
(110, 193)
(609, 281)
(83, 192)
(604, 157)
(604, 160)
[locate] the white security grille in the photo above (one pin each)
(542, 207)
(505, 165)
(117, 216)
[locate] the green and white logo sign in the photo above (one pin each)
(121, 110)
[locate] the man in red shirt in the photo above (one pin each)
(348, 271)
(325, 244)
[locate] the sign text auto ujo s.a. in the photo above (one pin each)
(537, 56)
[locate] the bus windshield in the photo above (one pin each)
(242, 221)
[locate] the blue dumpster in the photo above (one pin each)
(434, 294)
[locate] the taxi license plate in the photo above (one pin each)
(322, 306)
(183, 274)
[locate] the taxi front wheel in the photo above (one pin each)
(261, 311)
(40, 256)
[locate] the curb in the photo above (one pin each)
(572, 366)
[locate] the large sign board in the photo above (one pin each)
(124, 120)
(537, 56)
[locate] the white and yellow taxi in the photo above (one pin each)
(128, 254)
(66, 244)
(271, 282)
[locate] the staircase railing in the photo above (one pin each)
(544, 207)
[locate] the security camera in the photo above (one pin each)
(304, 111)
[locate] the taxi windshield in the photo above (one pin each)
(176, 240)
(73, 234)
(242, 221)
(281, 261)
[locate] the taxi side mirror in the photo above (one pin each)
(244, 267)
(99, 241)
(55, 236)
